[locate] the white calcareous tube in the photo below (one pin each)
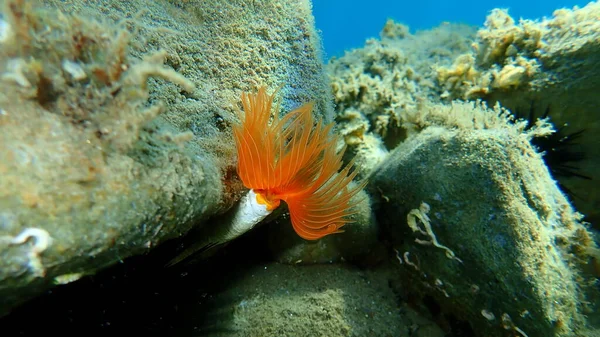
(237, 221)
(249, 213)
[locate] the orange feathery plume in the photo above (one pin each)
(294, 160)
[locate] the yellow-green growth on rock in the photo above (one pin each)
(548, 63)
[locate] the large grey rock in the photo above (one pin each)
(114, 123)
(480, 226)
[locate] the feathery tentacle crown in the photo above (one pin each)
(294, 160)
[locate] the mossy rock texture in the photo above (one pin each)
(550, 64)
(115, 123)
(481, 228)
(372, 86)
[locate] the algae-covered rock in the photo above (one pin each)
(373, 86)
(114, 123)
(527, 55)
(551, 64)
(481, 228)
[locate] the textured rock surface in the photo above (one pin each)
(480, 226)
(523, 64)
(114, 123)
(552, 63)
(373, 86)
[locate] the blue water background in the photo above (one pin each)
(346, 24)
